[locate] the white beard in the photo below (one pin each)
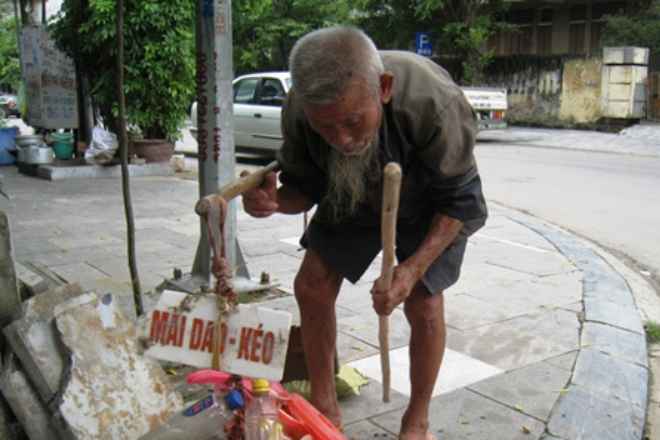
(348, 176)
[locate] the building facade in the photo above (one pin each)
(558, 27)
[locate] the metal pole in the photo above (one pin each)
(215, 137)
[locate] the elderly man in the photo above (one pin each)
(351, 110)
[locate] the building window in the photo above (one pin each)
(526, 33)
(596, 35)
(577, 28)
(512, 43)
(544, 39)
(578, 13)
(494, 43)
(546, 16)
(602, 9)
(576, 38)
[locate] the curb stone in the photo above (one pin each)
(608, 393)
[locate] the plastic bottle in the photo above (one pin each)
(261, 419)
(204, 420)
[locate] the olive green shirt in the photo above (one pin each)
(428, 127)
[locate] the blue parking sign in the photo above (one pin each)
(423, 44)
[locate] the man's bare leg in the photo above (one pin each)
(316, 288)
(425, 314)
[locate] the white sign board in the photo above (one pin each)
(253, 340)
(50, 81)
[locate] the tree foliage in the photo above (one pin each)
(10, 68)
(264, 31)
(642, 30)
(459, 27)
(159, 59)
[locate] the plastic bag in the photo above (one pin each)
(103, 147)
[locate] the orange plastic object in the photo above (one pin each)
(316, 423)
(293, 428)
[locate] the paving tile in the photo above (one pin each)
(555, 324)
(84, 240)
(364, 327)
(457, 371)
(367, 430)
(518, 256)
(485, 275)
(610, 293)
(532, 389)
(464, 414)
(606, 312)
(564, 361)
(80, 272)
(623, 344)
(465, 312)
(531, 294)
(583, 413)
(611, 378)
(369, 403)
(505, 347)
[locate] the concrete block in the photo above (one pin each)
(25, 402)
(618, 109)
(111, 392)
(621, 74)
(179, 162)
(620, 92)
(9, 295)
(626, 55)
(35, 342)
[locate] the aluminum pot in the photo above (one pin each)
(22, 154)
(39, 154)
(29, 139)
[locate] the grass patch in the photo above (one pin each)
(652, 331)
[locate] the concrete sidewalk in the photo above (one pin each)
(545, 338)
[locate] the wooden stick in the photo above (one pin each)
(391, 189)
(211, 202)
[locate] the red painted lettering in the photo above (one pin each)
(207, 344)
(244, 343)
(269, 348)
(158, 326)
(196, 334)
(256, 344)
(172, 337)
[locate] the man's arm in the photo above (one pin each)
(441, 233)
(267, 199)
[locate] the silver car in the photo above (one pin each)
(258, 99)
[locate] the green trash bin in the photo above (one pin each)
(62, 144)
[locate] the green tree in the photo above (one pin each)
(264, 31)
(460, 27)
(10, 67)
(642, 29)
(159, 59)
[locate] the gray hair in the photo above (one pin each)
(326, 62)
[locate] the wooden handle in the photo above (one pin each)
(211, 202)
(391, 189)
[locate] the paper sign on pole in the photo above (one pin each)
(253, 340)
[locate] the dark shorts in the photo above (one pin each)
(351, 249)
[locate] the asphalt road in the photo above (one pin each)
(610, 199)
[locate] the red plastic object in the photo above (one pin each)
(316, 423)
(293, 428)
